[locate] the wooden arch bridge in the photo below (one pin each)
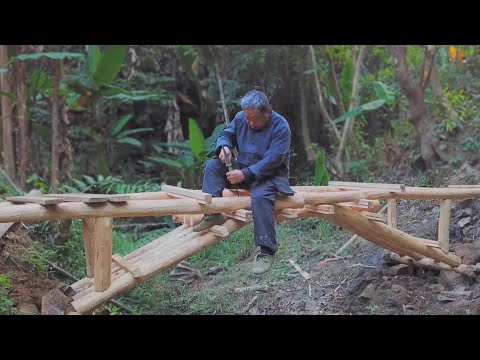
(353, 206)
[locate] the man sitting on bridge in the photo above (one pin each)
(262, 137)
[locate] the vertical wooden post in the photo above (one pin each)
(444, 225)
(89, 244)
(103, 253)
(392, 213)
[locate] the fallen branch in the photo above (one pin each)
(361, 265)
(299, 269)
(325, 261)
(263, 288)
(250, 304)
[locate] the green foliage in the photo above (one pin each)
(107, 65)
(6, 304)
(322, 176)
(372, 105)
(50, 55)
(185, 160)
(197, 141)
(121, 136)
(470, 144)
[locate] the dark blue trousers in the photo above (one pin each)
(263, 196)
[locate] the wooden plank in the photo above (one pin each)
(219, 230)
(367, 185)
(188, 219)
(103, 253)
(245, 213)
(42, 200)
(321, 209)
(373, 216)
(392, 213)
(237, 217)
(135, 270)
(464, 186)
(85, 198)
(444, 225)
(118, 198)
(89, 245)
(202, 197)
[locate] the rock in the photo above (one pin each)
(443, 298)
(397, 296)
(354, 285)
(455, 294)
(477, 268)
(411, 310)
(400, 269)
(54, 303)
(398, 289)
(27, 309)
(456, 234)
(437, 288)
(368, 293)
(469, 253)
(464, 221)
(451, 279)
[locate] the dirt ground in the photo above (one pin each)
(28, 286)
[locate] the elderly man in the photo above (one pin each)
(262, 137)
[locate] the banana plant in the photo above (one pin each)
(186, 159)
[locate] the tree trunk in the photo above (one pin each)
(323, 109)
(417, 112)
(305, 129)
(8, 148)
(21, 90)
(55, 128)
(348, 128)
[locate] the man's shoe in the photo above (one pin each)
(208, 221)
(262, 263)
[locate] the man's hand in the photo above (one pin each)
(225, 153)
(235, 176)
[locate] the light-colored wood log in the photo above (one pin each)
(355, 236)
(241, 214)
(103, 253)
(188, 219)
(373, 216)
(42, 200)
(93, 300)
(127, 265)
(358, 228)
(392, 213)
(321, 209)
(203, 198)
(364, 205)
(133, 208)
(290, 213)
(444, 225)
(463, 186)
(85, 198)
(395, 237)
(89, 244)
(118, 198)
(152, 195)
(219, 230)
(367, 185)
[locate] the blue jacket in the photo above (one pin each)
(262, 154)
